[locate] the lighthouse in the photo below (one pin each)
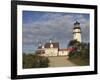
(77, 32)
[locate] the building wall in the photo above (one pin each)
(54, 52)
(51, 51)
(77, 36)
(63, 53)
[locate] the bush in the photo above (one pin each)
(81, 54)
(34, 61)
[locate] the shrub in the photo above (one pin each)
(34, 61)
(81, 54)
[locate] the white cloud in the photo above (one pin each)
(56, 26)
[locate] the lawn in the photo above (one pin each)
(80, 62)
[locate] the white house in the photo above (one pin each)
(63, 52)
(51, 49)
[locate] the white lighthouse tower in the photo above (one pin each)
(77, 31)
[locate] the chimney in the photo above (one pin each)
(50, 41)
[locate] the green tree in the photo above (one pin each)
(81, 52)
(73, 43)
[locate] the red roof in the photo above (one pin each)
(63, 49)
(71, 49)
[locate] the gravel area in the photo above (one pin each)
(60, 61)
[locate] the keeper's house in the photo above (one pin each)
(51, 49)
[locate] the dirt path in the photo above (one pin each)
(60, 61)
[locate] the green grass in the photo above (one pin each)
(80, 62)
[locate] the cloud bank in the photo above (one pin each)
(55, 26)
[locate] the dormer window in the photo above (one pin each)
(51, 45)
(42, 46)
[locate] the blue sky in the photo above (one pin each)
(42, 26)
